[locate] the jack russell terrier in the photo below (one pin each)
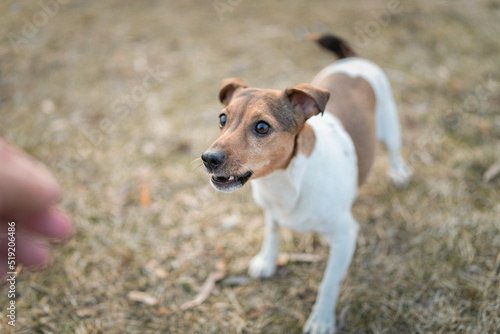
(305, 171)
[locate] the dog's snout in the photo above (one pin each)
(213, 160)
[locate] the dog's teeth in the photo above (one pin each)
(231, 178)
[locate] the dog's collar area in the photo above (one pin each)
(231, 183)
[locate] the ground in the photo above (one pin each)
(119, 98)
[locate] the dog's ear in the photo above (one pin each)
(228, 87)
(311, 100)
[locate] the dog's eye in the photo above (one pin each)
(222, 120)
(262, 128)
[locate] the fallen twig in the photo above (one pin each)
(285, 258)
(208, 286)
(142, 297)
(492, 172)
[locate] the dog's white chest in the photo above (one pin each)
(308, 194)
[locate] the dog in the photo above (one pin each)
(306, 170)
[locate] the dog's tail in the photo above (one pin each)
(333, 43)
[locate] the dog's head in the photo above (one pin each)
(258, 130)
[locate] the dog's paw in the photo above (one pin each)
(400, 176)
(320, 322)
(262, 266)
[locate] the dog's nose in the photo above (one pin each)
(213, 160)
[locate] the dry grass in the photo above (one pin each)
(428, 257)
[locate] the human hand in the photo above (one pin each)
(28, 192)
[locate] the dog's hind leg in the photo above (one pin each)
(342, 246)
(389, 131)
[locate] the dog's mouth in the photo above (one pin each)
(230, 183)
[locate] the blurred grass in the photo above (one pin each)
(428, 256)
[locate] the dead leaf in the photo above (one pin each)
(154, 268)
(221, 268)
(209, 285)
(253, 314)
(497, 265)
(47, 106)
(229, 222)
(283, 259)
(86, 312)
(19, 268)
(236, 280)
(341, 320)
(492, 172)
(189, 200)
(145, 197)
(458, 86)
(142, 297)
(164, 310)
(308, 295)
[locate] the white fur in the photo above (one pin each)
(294, 197)
(316, 193)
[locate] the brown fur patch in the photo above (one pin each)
(306, 140)
(353, 101)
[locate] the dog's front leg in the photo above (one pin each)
(264, 263)
(342, 245)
